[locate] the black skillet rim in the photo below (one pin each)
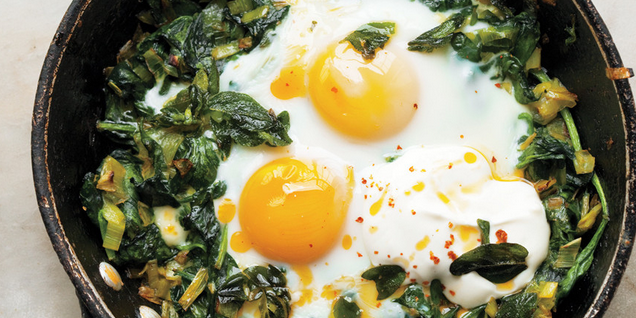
(85, 289)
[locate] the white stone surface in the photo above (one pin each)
(34, 283)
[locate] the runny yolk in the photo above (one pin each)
(240, 243)
(290, 83)
(293, 211)
(226, 211)
(361, 98)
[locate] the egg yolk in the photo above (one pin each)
(362, 98)
(293, 211)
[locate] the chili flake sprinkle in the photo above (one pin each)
(502, 236)
(411, 169)
(434, 258)
(359, 255)
(359, 219)
(452, 255)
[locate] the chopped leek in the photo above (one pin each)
(255, 14)
(584, 162)
(115, 226)
(240, 6)
(195, 289)
(548, 289)
(155, 64)
(226, 50)
(167, 310)
(588, 220)
(145, 214)
(111, 181)
(491, 307)
(568, 253)
(554, 98)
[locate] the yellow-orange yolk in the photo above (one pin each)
(293, 211)
(290, 83)
(362, 98)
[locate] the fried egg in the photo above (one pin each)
(303, 207)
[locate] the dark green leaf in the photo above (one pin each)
(497, 263)
(466, 48)
(443, 5)
(414, 298)
(267, 285)
(521, 305)
(345, 308)
(509, 66)
(439, 36)
(387, 278)
(240, 117)
(484, 227)
(370, 37)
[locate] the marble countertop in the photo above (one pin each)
(34, 282)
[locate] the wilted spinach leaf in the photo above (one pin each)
(387, 278)
(346, 308)
(519, 305)
(484, 228)
(497, 263)
(267, 285)
(443, 5)
(240, 117)
(370, 37)
(440, 35)
(427, 307)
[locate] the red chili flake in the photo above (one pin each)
(375, 252)
(493, 160)
(334, 89)
(365, 196)
(415, 266)
(452, 238)
(359, 219)
(391, 202)
(461, 136)
(401, 254)
(292, 72)
(359, 255)
(311, 245)
(380, 188)
(411, 169)
(500, 56)
(443, 287)
(379, 305)
(425, 283)
(413, 212)
(452, 255)
(450, 225)
(434, 258)
(448, 244)
(478, 240)
(451, 292)
(450, 165)
(287, 84)
(364, 181)
(389, 256)
(475, 92)
(399, 147)
(413, 280)
(415, 106)
(498, 85)
(502, 236)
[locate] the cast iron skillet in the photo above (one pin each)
(66, 145)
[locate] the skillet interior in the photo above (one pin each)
(66, 145)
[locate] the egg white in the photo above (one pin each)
(459, 105)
